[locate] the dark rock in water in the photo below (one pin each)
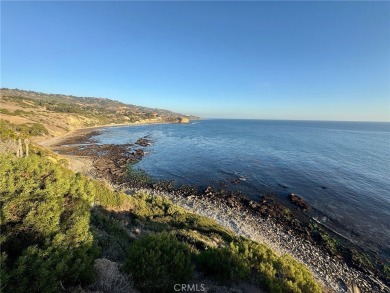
(187, 190)
(299, 202)
(138, 153)
(210, 190)
(234, 181)
(143, 142)
(222, 184)
(282, 185)
(324, 187)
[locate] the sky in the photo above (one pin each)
(247, 60)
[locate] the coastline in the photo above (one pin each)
(333, 273)
(57, 140)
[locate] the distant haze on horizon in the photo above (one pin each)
(242, 60)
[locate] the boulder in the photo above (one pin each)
(299, 202)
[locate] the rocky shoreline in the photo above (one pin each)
(265, 221)
(332, 273)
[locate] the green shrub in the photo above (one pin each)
(223, 264)
(32, 129)
(4, 273)
(45, 214)
(20, 112)
(202, 224)
(41, 270)
(107, 197)
(38, 129)
(295, 277)
(150, 206)
(157, 262)
(7, 130)
(196, 240)
(111, 235)
(5, 111)
(276, 273)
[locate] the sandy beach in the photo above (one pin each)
(57, 140)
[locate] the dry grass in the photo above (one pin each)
(109, 279)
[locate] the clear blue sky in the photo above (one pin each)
(266, 60)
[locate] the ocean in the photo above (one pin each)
(341, 169)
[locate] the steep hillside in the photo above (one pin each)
(60, 114)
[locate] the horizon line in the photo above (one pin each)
(297, 120)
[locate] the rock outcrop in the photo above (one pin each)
(299, 202)
(184, 120)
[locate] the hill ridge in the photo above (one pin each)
(60, 113)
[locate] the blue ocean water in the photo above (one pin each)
(342, 169)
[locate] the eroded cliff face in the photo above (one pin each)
(184, 120)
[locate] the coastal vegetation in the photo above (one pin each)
(9, 130)
(55, 223)
(158, 262)
(46, 239)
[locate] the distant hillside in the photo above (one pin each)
(63, 113)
